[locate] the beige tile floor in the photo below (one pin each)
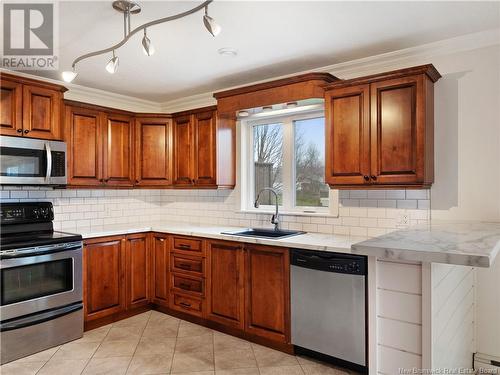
(156, 343)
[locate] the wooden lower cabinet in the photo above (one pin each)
(225, 291)
(267, 292)
(245, 288)
(104, 277)
(137, 270)
(160, 269)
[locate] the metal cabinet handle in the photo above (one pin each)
(374, 178)
(26, 131)
(366, 178)
(19, 130)
(184, 266)
(161, 239)
(184, 246)
(185, 305)
(185, 286)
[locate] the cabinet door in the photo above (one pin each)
(397, 131)
(41, 112)
(118, 150)
(160, 269)
(137, 272)
(268, 292)
(225, 280)
(153, 152)
(83, 133)
(11, 113)
(205, 148)
(183, 151)
(347, 136)
(104, 286)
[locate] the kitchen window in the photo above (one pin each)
(286, 153)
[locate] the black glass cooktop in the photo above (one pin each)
(30, 239)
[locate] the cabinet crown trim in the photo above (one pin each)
(427, 69)
(317, 76)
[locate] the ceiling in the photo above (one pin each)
(273, 38)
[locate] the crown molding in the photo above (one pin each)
(190, 102)
(95, 96)
(404, 58)
(112, 100)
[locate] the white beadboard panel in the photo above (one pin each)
(400, 306)
(443, 290)
(457, 298)
(488, 307)
(391, 360)
(460, 349)
(401, 277)
(453, 296)
(400, 335)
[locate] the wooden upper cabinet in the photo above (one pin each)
(11, 114)
(225, 291)
(380, 130)
(268, 292)
(398, 131)
(83, 133)
(118, 150)
(205, 148)
(137, 270)
(183, 150)
(347, 135)
(30, 108)
(153, 151)
(41, 112)
(103, 280)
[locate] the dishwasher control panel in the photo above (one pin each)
(330, 262)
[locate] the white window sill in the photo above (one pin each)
(288, 213)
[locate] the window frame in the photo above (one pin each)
(288, 168)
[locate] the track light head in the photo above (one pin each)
(147, 46)
(69, 75)
(212, 26)
(112, 65)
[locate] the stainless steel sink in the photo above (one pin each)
(265, 233)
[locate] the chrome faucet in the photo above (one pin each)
(275, 218)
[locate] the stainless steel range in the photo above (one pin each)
(41, 281)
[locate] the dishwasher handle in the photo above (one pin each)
(329, 262)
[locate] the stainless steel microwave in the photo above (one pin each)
(27, 161)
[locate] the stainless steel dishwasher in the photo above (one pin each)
(328, 292)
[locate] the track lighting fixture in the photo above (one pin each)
(112, 65)
(69, 75)
(212, 26)
(147, 46)
(127, 8)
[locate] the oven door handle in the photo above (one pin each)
(40, 318)
(49, 161)
(20, 254)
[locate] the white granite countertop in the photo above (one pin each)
(309, 241)
(470, 244)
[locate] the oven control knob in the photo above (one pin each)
(44, 212)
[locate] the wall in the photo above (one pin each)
(361, 213)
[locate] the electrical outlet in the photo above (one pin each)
(403, 219)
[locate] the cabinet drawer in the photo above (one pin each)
(192, 265)
(185, 284)
(187, 304)
(187, 245)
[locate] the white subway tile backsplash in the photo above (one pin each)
(361, 212)
(395, 194)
